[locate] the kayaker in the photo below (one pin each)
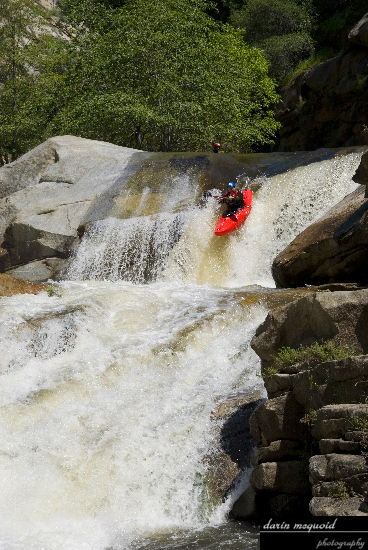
(216, 148)
(233, 198)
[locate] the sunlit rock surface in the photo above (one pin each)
(10, 286)
(339, 316)
(48, 193)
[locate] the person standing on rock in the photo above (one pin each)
(216, 148)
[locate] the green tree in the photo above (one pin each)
(163, 75)
(281, 28)
(31, 66)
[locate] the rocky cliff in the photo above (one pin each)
(327, 105)
(312, 431)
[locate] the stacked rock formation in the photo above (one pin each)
(312, 432)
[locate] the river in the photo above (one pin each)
(109, 381)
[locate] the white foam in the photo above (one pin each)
(107, 388)
(106, 435)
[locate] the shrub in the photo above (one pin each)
(314, 354)
(286, 52)
(264, 18)
(281, 28)
(314, 59)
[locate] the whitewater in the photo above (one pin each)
(108, 383)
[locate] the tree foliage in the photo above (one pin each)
(285, 52)
(263, 19)
(163, 75)
(31, 66)
(281, 28)
(294, 32)
(154, 74)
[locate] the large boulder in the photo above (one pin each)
(334, 421)
(285, 477)
(340, 72)
(333, 382)
(333, 249)
(50, 193)
(276, 451)
(341, 316)
(278, 419)
(332, 506)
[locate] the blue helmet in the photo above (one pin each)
(231, 184)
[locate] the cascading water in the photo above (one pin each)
(108, 385)
(179, 245)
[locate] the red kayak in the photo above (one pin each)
(232, 223)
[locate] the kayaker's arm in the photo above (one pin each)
(232, 200)
(220, 198)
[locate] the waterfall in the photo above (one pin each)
(109, 384)
(175, 244)
(135, 250)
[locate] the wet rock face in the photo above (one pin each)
(10, 286)
(333, 249)
(361, 175)
(233, 449)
